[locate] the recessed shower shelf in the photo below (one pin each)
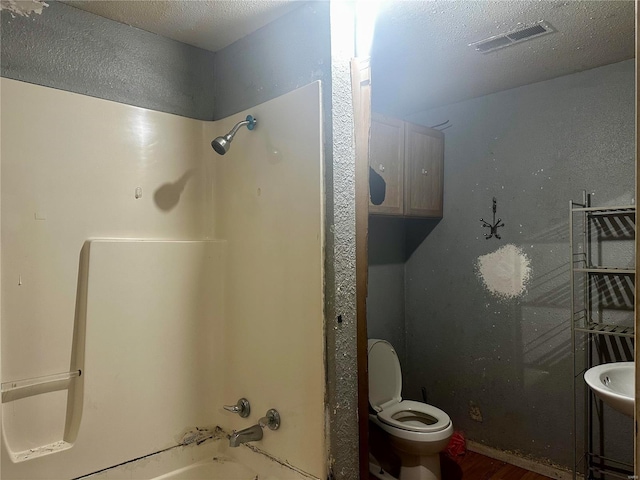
(41, 451)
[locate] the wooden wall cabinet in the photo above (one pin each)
(408, 160)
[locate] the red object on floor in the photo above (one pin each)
(457, 447)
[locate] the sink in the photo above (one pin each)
(614, 384)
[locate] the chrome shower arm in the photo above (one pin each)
(235, 129)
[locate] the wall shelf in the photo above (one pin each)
(602, 290)
(606, 270)
(606, 329)
(630, 209)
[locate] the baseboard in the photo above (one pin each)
(522, 462)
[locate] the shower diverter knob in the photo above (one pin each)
(271, 420)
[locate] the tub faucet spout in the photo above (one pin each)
(249, 434)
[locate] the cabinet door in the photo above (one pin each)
(424, 171)
(386, 159)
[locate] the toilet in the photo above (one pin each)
(414, 432)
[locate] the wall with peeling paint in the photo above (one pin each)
(508, 358)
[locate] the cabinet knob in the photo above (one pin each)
(425, 172)
(381, 167)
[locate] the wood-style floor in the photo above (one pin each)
(478, 467)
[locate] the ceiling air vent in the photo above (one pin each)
(511, 38)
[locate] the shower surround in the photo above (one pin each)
(174, 279)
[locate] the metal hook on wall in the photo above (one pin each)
(493, 226)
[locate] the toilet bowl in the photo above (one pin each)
(416, 432)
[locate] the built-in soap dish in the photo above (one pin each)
(40, 451)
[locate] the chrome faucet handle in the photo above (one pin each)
(272, 420)
(242, 408)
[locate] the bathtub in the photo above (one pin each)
(212, 469)
(244, 465)
(213, 460)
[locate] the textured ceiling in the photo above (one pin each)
(208, 24)
(421, 58)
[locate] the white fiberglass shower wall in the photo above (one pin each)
(175, 280)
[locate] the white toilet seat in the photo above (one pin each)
(419, 437)
(405, 419)
(415, 417)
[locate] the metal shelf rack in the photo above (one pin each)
(598, 289)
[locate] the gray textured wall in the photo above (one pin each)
(77, 51)
(288, 53)
(534, 148)
(385, 296)
(73, 50)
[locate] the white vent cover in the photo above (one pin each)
(511, 38)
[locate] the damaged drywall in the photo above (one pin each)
(475, 413)
(505, 272)
(24, 8)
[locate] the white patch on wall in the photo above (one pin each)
(505, 272)
(23, 7)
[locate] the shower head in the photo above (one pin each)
(222, 144)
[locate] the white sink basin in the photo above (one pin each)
(614, 384)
